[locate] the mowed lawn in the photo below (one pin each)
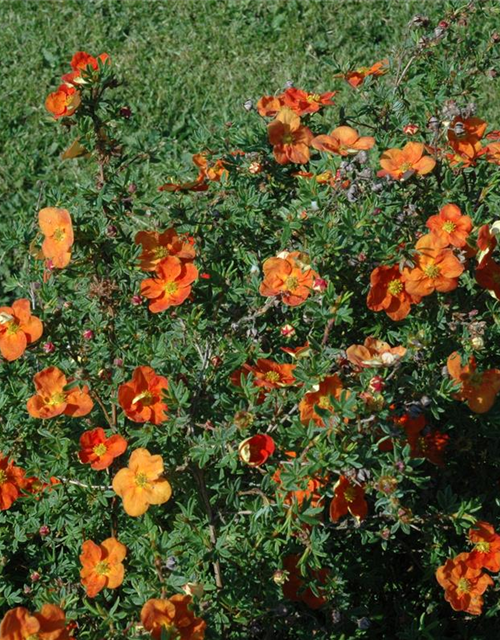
(186, 66)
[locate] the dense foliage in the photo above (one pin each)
(262, 401)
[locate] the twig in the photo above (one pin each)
(109, 420)
(85, 486)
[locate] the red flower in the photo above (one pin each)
(302, 102)
(348, 498)
(388, 293)
(98, 450)
(79, 63)
(487, 276)
(63, 102)
(12, 480)
(295, 589)
(256, 450)
(267, 374)
(142, 397)
(463, 585)
(486, 551)
(357, 77)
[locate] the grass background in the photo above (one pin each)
(186, 65)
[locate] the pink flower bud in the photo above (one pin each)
(88, 334)
(118, 362)
(44, 530)
(49, 347)
(377, 384)
(411, 129)
(136, 300)
(287, 331)
(35, 576)
(320, 285)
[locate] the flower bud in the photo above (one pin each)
(243, 419)
(136, 300)
(44, 530)
(287, 331)
(376, 384)
(194, 589)
(49, 347)
(88, 334)
(280, 577)
(256, 450)
(477, 342)
(410, 129)
(320, 285)
(35, 576)
(255, 168)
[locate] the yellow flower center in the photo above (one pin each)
(170, 288)
(291, 283)
(171, 631)
(313, 97)
(3, 476)
(350, 494)
(406, 166)
(57, 398)
(12, 328)
(102, 568)
(141, 480)
(59, 233)
(432, 271)
(287, 138)
(272, 376)
(100, 449)
(449, 226)
(395, 287)
(33, 636)
(324, 402)
(463, 585)
(482, 547)
(146, 397)
(160, 252)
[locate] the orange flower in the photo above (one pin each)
(402, 164)
(388, 293)
(288, 275)
(464, 135)
(486, 241)
(255, 451)
(431, 446)
(49, 624)
(18, 329)
(171, 286)
(463, 585)
(12, 480)
(348, 498)
(487, 277)
(194, 185)
(302, 102)
(479, 390)
(267, 374)
(309, 487)
(289, 138)
(172, 618)
(486, 551)
(79, 63)
(343, 141)
(330, 387)
(157, 246)
(294, 587)
(98, 450)
(450, 226)
(436, 268)
(63, 102)
(269, 106)
(35, 486)
(493, 152)
(140, 484)
(357, 77)
(374, 353)
(142, 397)
(58, 231)
(53, 399)
(213, 172)
(102, 566)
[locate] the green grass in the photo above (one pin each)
(187, 66)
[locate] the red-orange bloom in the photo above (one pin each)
(172, 618)
(343, 141)
(214, 171)
(302, 102)
(142, 397)
(486, 551)
(374, 353)
(12, 480)
(289, 276)
(402, 164)
(56, 226)
(102, 566)
(348, 498)
(464, 135)
(53, 399)
(463, 585)
(171, 285)
(295, 589)
(436, 268)
(49, 624)
(493, 152)
(267, 374)
(486, 242)
(79, 63)
(63, 102)
(98, 450)
(388, 293)
(256, 450)
(141, 483)
(330, 387)
(478, 389)
(487, 277)
(158, 246)
(289, 138)
(431, 446)
(449, 226)
(357, 77)
(309, 487)
(18, 329)
(270, 106)
(194, 185)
